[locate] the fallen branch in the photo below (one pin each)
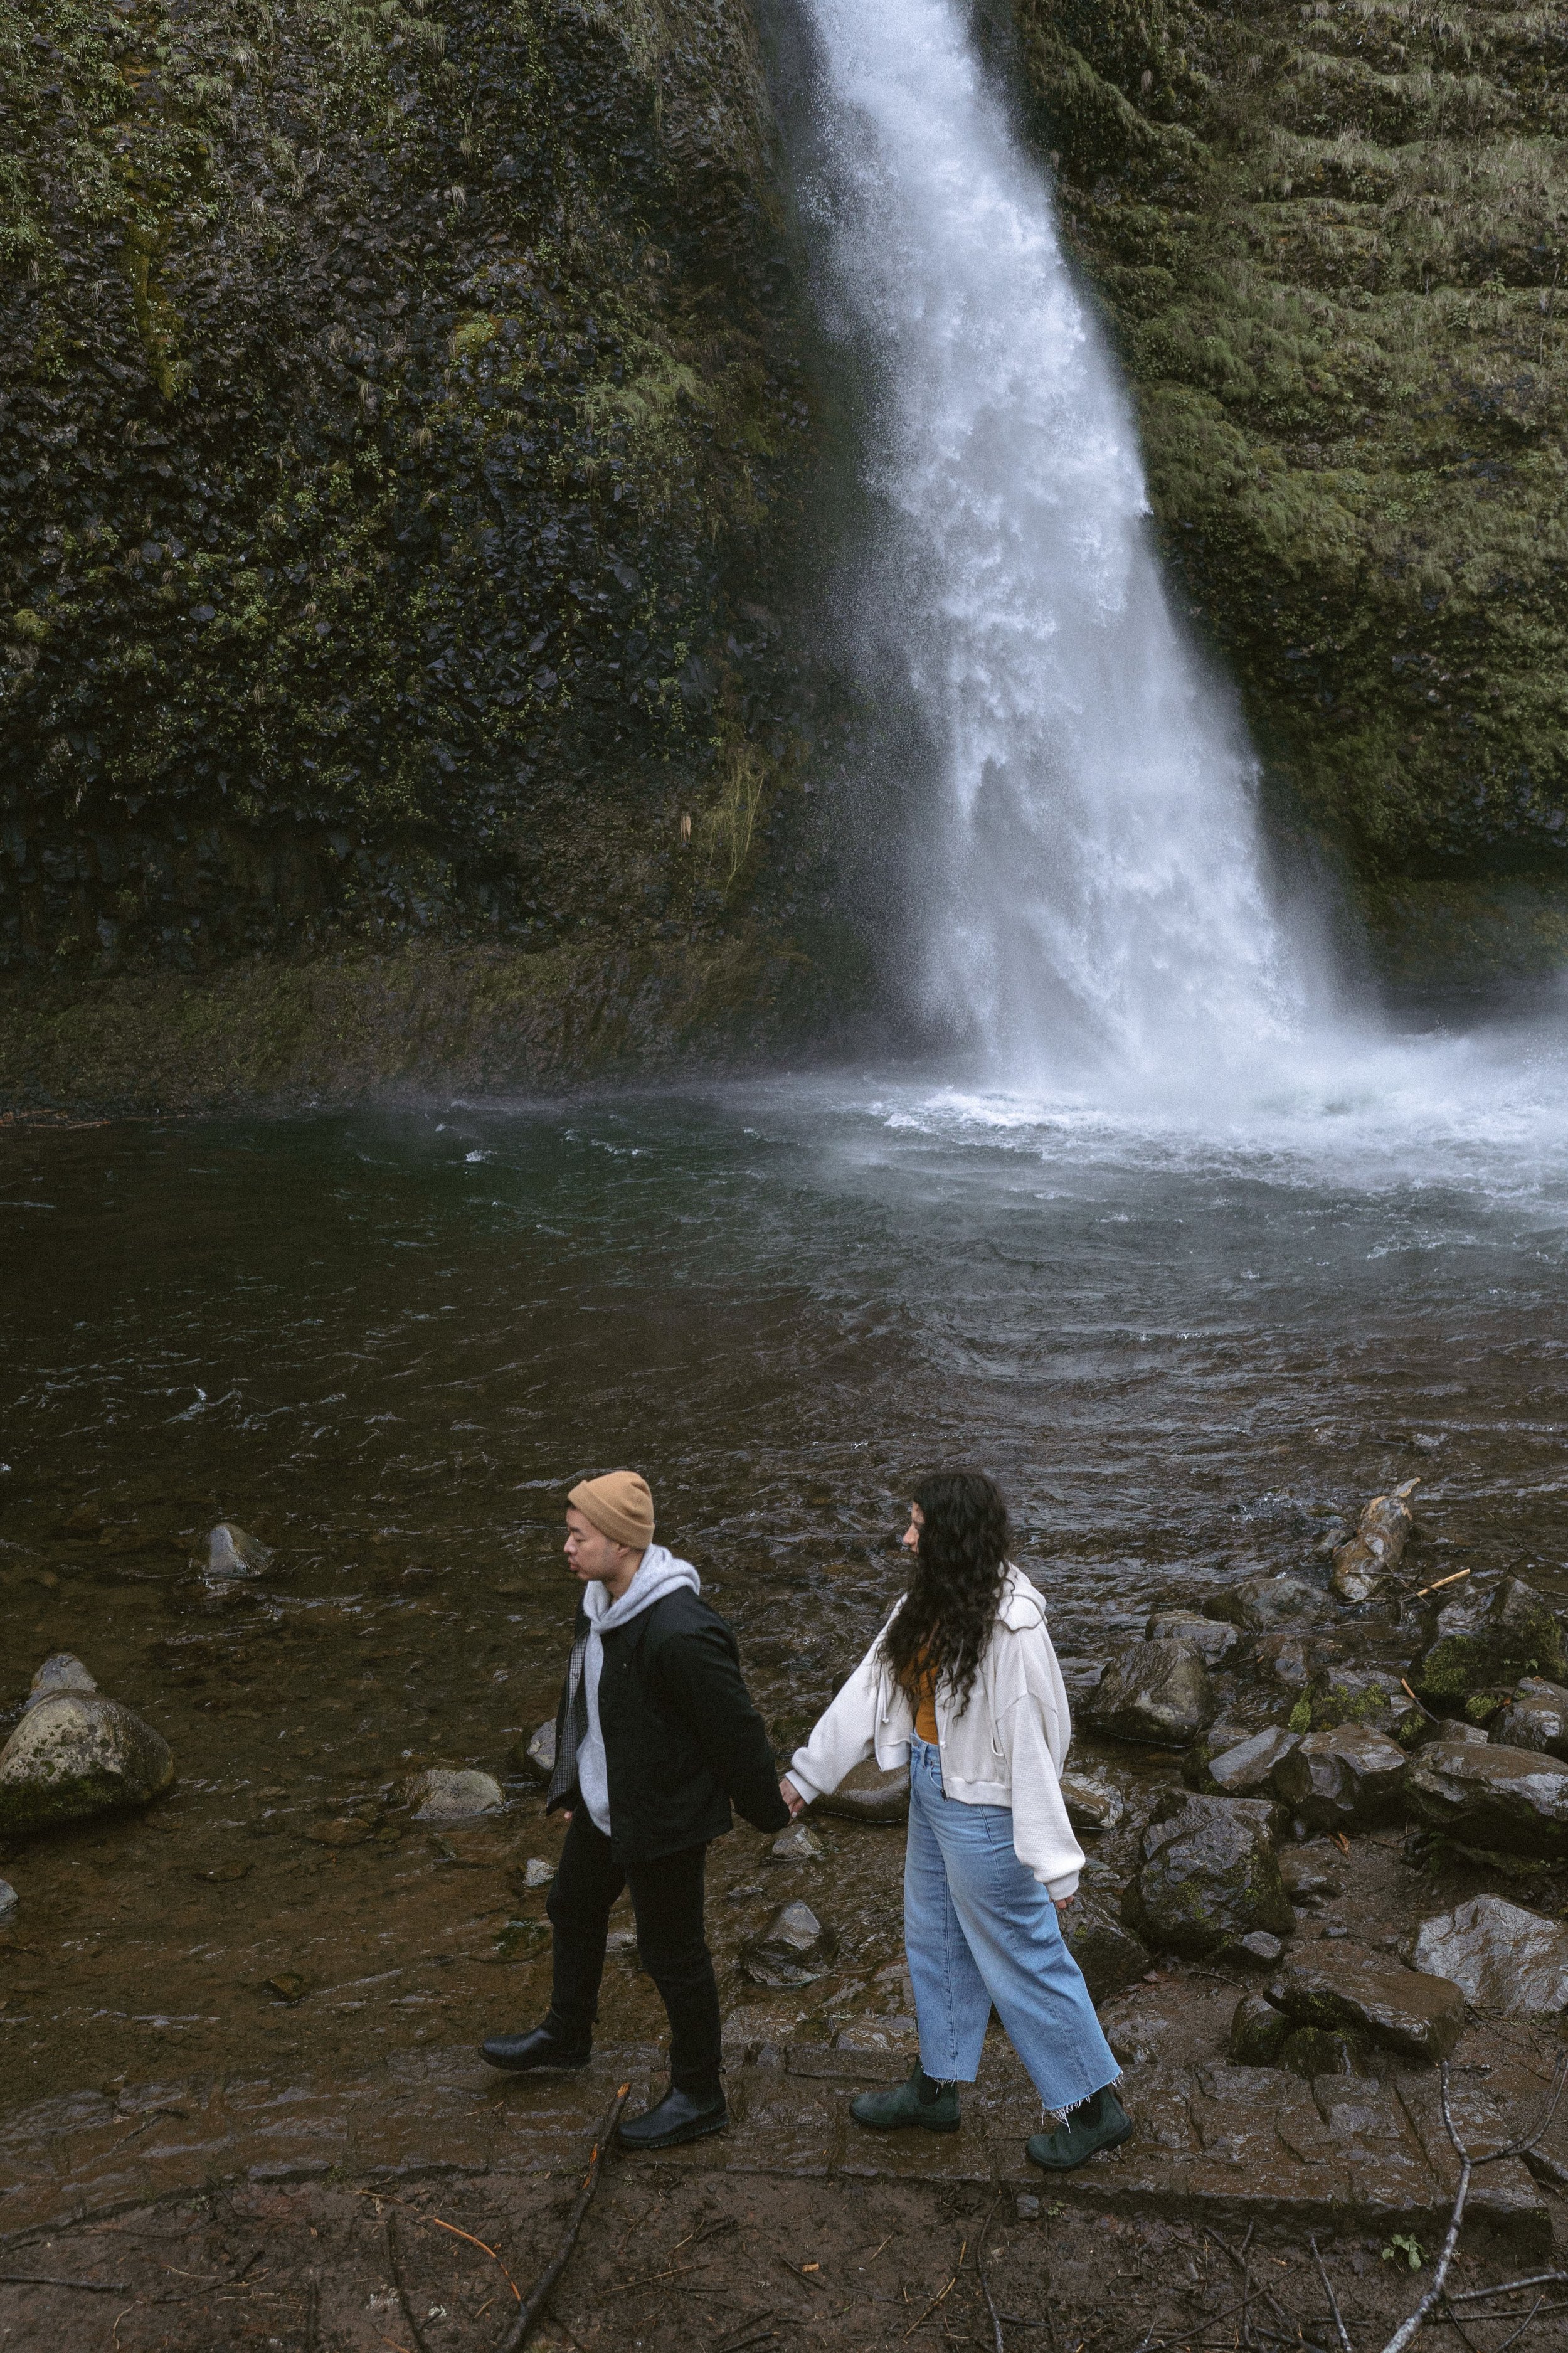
(44, 2279)
(543, 2286)
(483, 2249)
(998, 2340)
(1334, 2313)
(1508, 2287)
(395, 2253)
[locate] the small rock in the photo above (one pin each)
(1213, 1636)
(1517, 1634)
(1157, 1693)
(1333, 1930)
(1294, 1657)
(794, 1949)
(1515, 1800)
(1257, 2032)
(1305, 1878)
(1248, 1769)
(1027, 2208)
(1334, 1779)
(1509, 1962)
(1458, 1734)
(1263, 1603)
(232, 1553)
(1210, 1877)
(1536, 1717)
(797, 1845)
(869, 1795)
(288, 1986)
(1091, 1805)
(59, 1672)
(76, 1756)
(10, 1904)
(536, 1755)
(1418, 2015)
(537, 1873)
(1109, 1955)
(342, 1832)
(1260, 1949)
(443, 1795)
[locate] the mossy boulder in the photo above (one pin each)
(1518, 1634)
(1209, 1878)
(1157, 1693)
(74, 1757)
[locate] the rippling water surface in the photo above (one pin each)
(386, 1345)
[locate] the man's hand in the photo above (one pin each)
(793, 1800)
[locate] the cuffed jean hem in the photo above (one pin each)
(981, 1931)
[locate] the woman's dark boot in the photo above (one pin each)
(918, 2101)
(1099, 2123)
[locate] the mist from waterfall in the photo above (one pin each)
(1090, 889)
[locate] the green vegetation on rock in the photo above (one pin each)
(1329, 238)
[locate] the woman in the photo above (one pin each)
(964, 1683)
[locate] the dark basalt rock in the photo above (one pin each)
(1109, 1955)
(1334, 1780)
(1423, 2017)
(1518, 1634)
(1215, 1637)
(1210, 1876)
(1515, 1800)
(1536, 1717)
(1508, 1961)
(869, 1795)
(794, 1949)
(1257, 2032)
(1251, 1768)
(1157, 1693)
(1313, 2050)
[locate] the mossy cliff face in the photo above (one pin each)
(1330, 239)
(402, 431)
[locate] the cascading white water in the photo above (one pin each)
(1093, 902)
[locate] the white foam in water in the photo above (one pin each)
(1093, 901)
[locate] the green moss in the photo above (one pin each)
(1301, 1715)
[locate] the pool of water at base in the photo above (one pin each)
(385, 1345)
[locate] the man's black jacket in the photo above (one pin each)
(681, 1736)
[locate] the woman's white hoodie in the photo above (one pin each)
(1006, 1749)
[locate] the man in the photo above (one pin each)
(656, 1733)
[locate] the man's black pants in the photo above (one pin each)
(667, 1903)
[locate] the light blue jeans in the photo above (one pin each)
(979, 1929)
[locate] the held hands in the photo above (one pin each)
(793, 1800)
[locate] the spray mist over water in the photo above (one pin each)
(1094, 886)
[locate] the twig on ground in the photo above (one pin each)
(539, 2294)
(1334, 2313)
(1523, 2325)
(404, 2298)
(1507, 2287)
(940, 2297)
(997, 2338)
(483, 2249)
(806, 2279)
(44, 2279)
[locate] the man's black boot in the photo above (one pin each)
(553, 2045)
(680, 2117)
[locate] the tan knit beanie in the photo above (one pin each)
(620, 1505)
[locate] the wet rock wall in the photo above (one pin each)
(402, 430)
(1328, 238)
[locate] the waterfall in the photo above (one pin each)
(1088, 885)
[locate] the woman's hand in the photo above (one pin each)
(1062, 1902)
(793, 1800)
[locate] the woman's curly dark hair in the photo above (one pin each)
(945, 1619)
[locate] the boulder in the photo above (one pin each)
(1156, 1692)
(1215, 1637)
(232, 1553)
(1362, 1567)
(1247, 1769)
(1109, 1955)
(1333, 1781)
(1263, 1603)
(1536, 1717)
(1516, 1634)
(1294, 1657)
(1091, 1805)
(536, 1755)
(445, 1795)
(59, 1672)
(794, 1949)
(869, 1795)
(1456, 1734)
(1421, 2016)
(1512, 1799)
(1313, 2050)
(76, 1756)
(1210, 1876)
(1508, 1961)
(1257, 2031)
(10, 1904)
